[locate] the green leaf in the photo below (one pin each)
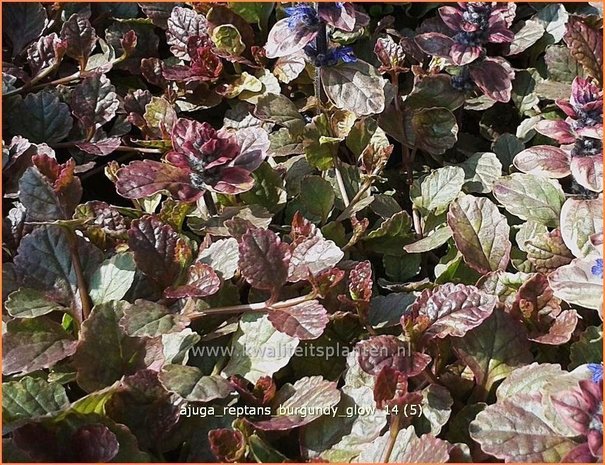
(481, 233)
(316, 198)
(254, 12)
(113, 278)
(228, 39)
(531, 197)
(150, 319)
(494, 349)
(191, 384)
(258, 349)
(547, 251)
(160, 116)
(561, 66)
(435, 91)
(524, 92)
(580, 219)
(263, 452)
(29, 399)
(54, 272)
(588, 349)
(356, 87)
(434, 240)
(408, 448)
(506, 147)
(435, 129)
(435, 192)
(268, 190)
(41, 118)
(33, 344)
(281, 110)
(105, 353)
(319, 151)
(23, 23)
(529, 33)
(481, 171)
(30, 303)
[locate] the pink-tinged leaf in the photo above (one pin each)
(580, 220)
(408, 448)
(559, 330)
(234, 180)
(45, 53)
(95, 443)
(141, 179)
(558, 130)
(588, 172)
(340, 17)
(434, 43)
(585, 45)
(494, 78)
(159, 251)
(48, 190)
(543, 160)
(254, 144)
(80, 36)
(304, 321)
(289, 67)
(379, 352)
(581, 408)
(450, 310)
(360, 282)
(307, 392)
(283, 40)
(547, 251)
(227, 445)
(33, 344)
(202, 281)
(264, 259)
(184, 23)
(515, 431)
(311, 257)
(480, 232)
(100, 148)
(580, 454)
(451, 16)
(576, 283)
(390, 54)
(465, 54)
(94, 101)
(494, 349)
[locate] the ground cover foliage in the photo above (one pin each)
(264, 232)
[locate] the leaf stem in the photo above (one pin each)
(257, 307)
(121, 148)
(394, 428)
(81, 280)
(56, 82)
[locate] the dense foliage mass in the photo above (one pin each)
(302, 232)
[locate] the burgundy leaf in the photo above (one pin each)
(45, 53)
(304, 321)
(202, 281)
(434, 43)
(95, 443)
(311, 257)
(543, 160)
(141, 179)
(159, 251)
(360, 282)
(494, 77)
(48, 190)
(184, 23)
(450, 310)
(94, 101)
(227, 445)
(80, 36)
(388, 351)
(264, 259)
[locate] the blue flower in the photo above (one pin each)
(331, 57)
(597, 269)
(597, 372)
(302, 14)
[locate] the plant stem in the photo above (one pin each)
(56, 82)
(82, 286)
(345, 213)
(340, 182)
(121, 148)
(394, 428)
(210, 205)
(257, 307)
